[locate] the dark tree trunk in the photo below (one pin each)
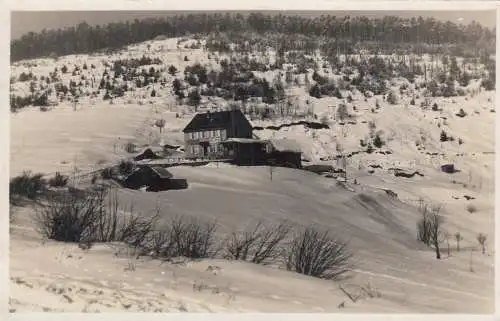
(438, 252)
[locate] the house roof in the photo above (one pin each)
(212, 120)
(162, 172)
(244, 140)
(286, 145)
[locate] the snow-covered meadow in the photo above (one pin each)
(393, 272)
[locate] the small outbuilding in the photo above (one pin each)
(147, 153)
(285, 152)
(153, 178)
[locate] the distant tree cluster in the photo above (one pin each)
(345, 33)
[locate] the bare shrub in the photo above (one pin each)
(259, 245)
(91, 217)
(471, 208)
(59, 180)
(367, 291)
(447, 237)
(160, 244)
(458, 238)
(481, 238)
(27, 185)
(393, 98)
(317, 254)
(424, 228)
(342, 112)
(185, 238)
(126, 167)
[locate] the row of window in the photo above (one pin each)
(208, 134)
(198, 150)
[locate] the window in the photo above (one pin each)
(223, 134)
(205, 134)
(217, 133)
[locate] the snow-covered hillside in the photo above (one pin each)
(83, 131)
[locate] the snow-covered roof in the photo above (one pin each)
(244, 140)
(286, 145)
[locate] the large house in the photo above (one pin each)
(206, 133)
(227, 135)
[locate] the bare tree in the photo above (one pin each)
(423, 226)
(160, 123)
(436, 223)
(458, 238)
(342, 112)
(429, 227)
(481, 238)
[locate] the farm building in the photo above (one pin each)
(228, 135)
(154, 178)
(285, 152)
(246, 151)
(206, 131)
(147, 153)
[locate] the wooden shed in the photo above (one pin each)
(153, 178)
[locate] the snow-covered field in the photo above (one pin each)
(406, 277)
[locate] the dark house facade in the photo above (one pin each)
(206, 133)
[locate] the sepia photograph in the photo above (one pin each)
(256, 161)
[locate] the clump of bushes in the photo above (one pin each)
(95, 215)
(377, 141)
(59, 180)
(181, 237)
(27, 185)
(393, 98)
(443, 137)
(126, 167)
(461, 113)
(315, 253)
(259, 245)
(92, 217)
(471, 208)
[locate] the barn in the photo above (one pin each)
(152, 177)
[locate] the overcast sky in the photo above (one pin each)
(25, 21)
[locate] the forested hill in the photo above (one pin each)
(343, 32)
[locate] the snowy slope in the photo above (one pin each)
(380, 231)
